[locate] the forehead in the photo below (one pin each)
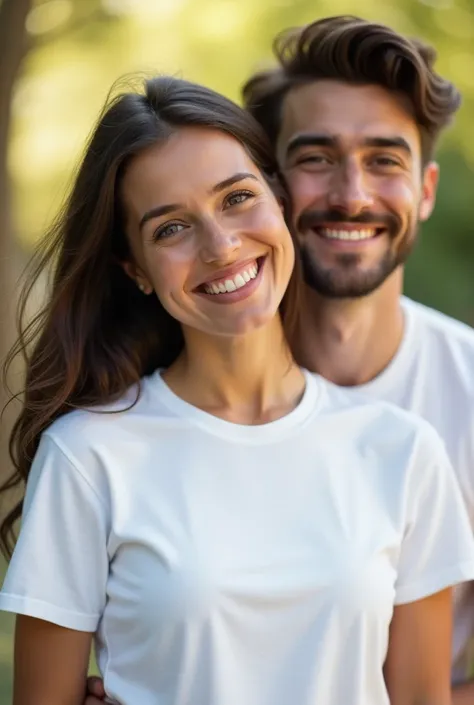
(190, 162)
(346, 111)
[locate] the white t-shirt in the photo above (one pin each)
(229, 564)
(432, 375)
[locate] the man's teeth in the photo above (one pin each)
(234, 283)
(347, 234)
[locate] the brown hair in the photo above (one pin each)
(98, 334)
(355, 51)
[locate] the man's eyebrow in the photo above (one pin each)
(316, 140)
(309, 140)
(169, 208)
(389, 143)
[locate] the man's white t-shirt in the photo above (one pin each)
(432, 375)
(228, 564)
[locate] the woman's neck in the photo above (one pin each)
(247, 379)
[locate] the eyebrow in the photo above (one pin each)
(217, 188)
(315, 140)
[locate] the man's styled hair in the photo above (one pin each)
(350, 49)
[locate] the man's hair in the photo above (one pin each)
(358, 52)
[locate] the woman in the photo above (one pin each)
(230, 528)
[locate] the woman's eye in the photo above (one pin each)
(237, 197)
(167, 230)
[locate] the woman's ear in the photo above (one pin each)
(137, 275)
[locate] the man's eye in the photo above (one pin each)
(385, 161)
(313, 159)
(233, 199)
(167, 230)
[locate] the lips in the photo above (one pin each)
(232, 279)
(336, 225)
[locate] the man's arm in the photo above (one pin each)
(95, 691)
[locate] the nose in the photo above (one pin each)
(349, 191)
(218, 244)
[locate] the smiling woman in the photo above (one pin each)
(227, 527)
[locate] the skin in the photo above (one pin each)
(229, 367)
(350, 339)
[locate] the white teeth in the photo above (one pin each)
(229, 285)
(237, 282)
(347, 234)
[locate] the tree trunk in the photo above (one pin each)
(13, 41)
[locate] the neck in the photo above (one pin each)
(249, 378)
(350, 341)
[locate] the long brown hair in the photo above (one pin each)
(353, 50)
(98, 334)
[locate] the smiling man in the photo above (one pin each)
(354, 111)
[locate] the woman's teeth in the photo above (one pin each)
(347, 234)
(232, 283)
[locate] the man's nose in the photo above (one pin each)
(349, 190)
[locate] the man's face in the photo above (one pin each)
(351, 159)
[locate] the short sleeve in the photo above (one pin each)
(438, 547)
(60, 565)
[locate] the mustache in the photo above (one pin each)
(314, 219)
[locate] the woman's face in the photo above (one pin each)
(206, 232)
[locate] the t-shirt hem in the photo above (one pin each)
(453, 575)
(50, 613)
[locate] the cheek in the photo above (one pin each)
(306, 189)
(167, 270)
(400, 196)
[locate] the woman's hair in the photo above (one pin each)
(358, 52)
(98, 334)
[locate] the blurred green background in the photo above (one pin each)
(59, 58)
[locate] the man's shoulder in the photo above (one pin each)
(445, 350)
(440, 325)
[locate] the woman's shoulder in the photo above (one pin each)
(85, 432)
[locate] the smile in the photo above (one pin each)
(238, 280)
(347, 235)
(356, 234)
(235, 285)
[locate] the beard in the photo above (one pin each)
(346, 278)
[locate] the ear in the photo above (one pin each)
(137, 275)
(429, 188)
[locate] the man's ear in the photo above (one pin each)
(137, 275)
(429, 189)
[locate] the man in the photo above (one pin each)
(354, 111)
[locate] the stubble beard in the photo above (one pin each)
(345, 280)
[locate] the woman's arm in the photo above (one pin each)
(418, 665)
(50, 663)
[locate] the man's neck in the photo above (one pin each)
(351, 341)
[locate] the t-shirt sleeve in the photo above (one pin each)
(438, 547)
(60, 565)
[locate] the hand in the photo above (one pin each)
(95, 691)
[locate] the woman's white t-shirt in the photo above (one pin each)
(222, 564)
